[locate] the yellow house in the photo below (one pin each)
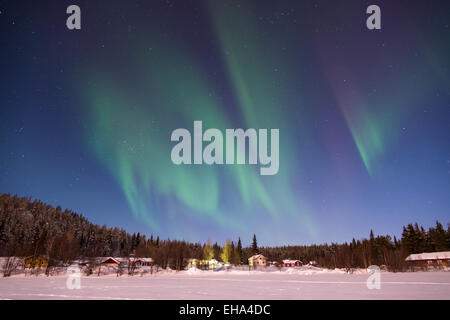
(36, 262)
(257, 260)
(203, 264)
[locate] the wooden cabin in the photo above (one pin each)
(258, 260)
(140, 262)
(110, 262)
(291, 263)
(426, 259)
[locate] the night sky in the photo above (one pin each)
(364, 115)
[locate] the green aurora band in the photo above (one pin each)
(129, 131)
(130, 120)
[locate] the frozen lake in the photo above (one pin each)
(232, 285)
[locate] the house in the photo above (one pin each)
(257, 260)
(291, 263)
(213, 264)
(140, 262)
(429, 258)
(39, 262)
(194, 263)
(203, 264)
(110, 262)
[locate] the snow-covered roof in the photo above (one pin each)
(256, 256)
(444, 255)
(111, 258)
(291, 261)
(143, 259)
(97, 260)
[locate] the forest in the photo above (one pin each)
(30, 228)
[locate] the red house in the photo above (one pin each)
(110, 262)
(291, 263)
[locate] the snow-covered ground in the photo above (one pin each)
(311, 283)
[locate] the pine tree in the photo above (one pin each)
(216, 250)
(233, 253)
(133, 242)
(437, 237)
(138, 240)
(408, 239)
(239, 252)
(420, 239)
(255, 245)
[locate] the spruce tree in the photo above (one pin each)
(255, 245)
(437, 237)
(233, 253)
(239, 252)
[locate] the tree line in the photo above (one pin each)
(30, 228)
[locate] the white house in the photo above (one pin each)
(430, 258)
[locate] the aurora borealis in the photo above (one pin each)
(87, 115)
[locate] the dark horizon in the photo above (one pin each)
(248, 244)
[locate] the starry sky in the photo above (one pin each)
(364, 115)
